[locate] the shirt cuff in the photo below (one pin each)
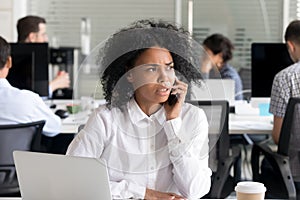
(49, 92)
(137, 191)
(172, 128)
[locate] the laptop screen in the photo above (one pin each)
(214, 89)
(60, 177)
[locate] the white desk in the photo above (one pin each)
(10, 198)
(250, 124)
(70, 124)
(238, 124)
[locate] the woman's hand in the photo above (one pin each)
(173, 111)
(153, 194)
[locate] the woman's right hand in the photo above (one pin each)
(153, 194)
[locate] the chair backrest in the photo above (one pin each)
(290, 136)
(217, 113)
(245, 74)
(26, 137)
(19, 137)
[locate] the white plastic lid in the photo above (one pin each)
(250, 187)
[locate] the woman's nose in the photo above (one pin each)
(166, 78)
(163, 76)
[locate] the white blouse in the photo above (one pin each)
(148, 152)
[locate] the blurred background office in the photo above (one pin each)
(83, 25)
(76, 27)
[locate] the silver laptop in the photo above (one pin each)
(214, 89)
(60, 177)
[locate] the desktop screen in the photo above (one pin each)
(267, 59)
(29, 67)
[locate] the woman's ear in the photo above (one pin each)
(129, 77)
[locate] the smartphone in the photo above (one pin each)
(173, 98)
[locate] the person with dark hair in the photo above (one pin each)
(22, 106)
(154, 147)
(219, 49)
(32, 29)
(286, 83)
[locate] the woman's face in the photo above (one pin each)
(152, 76)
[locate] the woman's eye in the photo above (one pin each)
(152, 69)
(170, 67)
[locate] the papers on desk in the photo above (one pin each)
(250, 125)
(78, 118)
(245, 109)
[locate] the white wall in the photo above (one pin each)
(10, 12)
(6, 19)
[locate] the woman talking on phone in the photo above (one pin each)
(155, 145)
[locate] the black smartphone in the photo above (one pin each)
(173, 98)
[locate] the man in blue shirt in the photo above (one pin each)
(219, 49)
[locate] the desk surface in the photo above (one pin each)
(250, 124)
(238, 124)
(10, 198)
(70, 124)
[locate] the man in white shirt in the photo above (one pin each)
(22, 106)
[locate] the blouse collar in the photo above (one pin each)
(137, 115)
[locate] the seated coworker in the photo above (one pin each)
(22, 106)
(153, 150)
(32, 29)
(219, 48)
(286, 83)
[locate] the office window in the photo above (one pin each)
(107, 16)
(294, 10)
(243, 22)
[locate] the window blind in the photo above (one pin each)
(106, 16)
(243, 22)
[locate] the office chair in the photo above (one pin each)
(280, 171)
(245, 74)
(24, 137)
(221, 161)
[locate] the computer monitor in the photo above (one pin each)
(30, 67)
(267, 59)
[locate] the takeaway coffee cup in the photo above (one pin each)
(248, 190)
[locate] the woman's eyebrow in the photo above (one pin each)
(155, 64)
(170, 63)
(152, 64)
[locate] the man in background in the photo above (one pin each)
(220, 51)
(32, 29)
(22, 106)
(286, 83)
